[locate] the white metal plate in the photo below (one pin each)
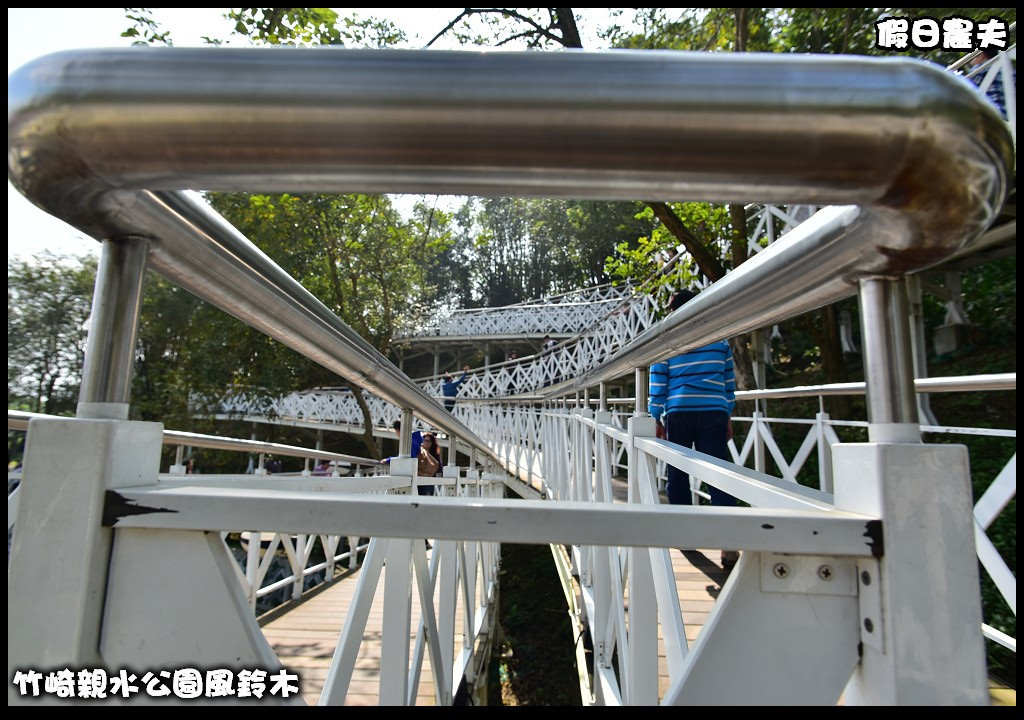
(810, 574)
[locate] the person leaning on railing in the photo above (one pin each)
(692, 397)
(450, 388)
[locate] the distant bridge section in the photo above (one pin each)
(564, 314)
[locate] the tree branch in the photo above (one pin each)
(570, 36)
(449, 26)
(708, 263)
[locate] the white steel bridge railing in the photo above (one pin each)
(257, 564)
(92, 483)
(525, 375)
(519, 433)
(565, 313)
(457, 579)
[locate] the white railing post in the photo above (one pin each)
(585, 483)
(757, 427)
(300, 556)
(394, 652)
(353, 554)
(821, 418)
(178, 468)
(252, 567)
(641, 682)
(919, 599)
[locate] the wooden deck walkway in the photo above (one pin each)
(304, 634)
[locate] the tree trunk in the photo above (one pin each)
(566, 22)
(744, 367)
(368, 440)
(708, 263)
(832, 361)
(742, 28)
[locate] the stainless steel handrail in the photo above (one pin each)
(104, 140)
(963, 383)
(19, 420)
(969, 383)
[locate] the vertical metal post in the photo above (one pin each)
(179, 463)
(116, 308)
(919, 599)
(405, 435)
(300, 556)
(453, 442)
(643, 379)
(251, 467)
(602, 397)
(918, 345)
(888, 369)
(825, 476)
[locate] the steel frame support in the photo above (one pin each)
(919, 600)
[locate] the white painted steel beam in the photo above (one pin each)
(772, 641)
(754, 487)
(523, 521)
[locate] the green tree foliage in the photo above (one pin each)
(525, 248)
(313, 26)
(49, 299)
(145, 29)
(354, 252)
(700, 29)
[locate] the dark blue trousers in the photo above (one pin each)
(704, 431)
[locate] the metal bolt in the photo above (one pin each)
(780, 570)
(825, 572)
(865, 578)
(868, 625)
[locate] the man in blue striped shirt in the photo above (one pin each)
(693, 395)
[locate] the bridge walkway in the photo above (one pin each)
(305, 633)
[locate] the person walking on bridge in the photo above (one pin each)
(692, 397)
(450, 388)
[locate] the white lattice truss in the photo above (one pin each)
(566, 313)
(606, 317)
(568, 360)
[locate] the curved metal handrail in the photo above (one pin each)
(105, 140)
(19, 420)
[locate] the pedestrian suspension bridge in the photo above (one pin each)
(864, 589)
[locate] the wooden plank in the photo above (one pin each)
(304, 636)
